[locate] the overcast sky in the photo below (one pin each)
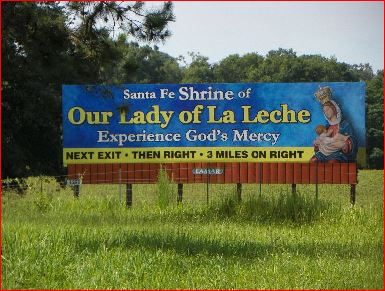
(353, 32)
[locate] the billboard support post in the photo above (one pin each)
(293, 189)
(128, 195)
(352, 194)
(120, 186)
(239, 192)
(180, 193)
(207, 188)
(316, 181)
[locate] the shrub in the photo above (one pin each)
(42, 201)
(166, 194)
(290, 207)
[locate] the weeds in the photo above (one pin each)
(291, 207)
(42, 202)
(166, 192)
(272, 241)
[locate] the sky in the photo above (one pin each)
(353, 32)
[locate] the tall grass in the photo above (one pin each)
(166, 192)
(294, 207)
(266, 241)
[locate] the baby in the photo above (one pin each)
(326, 143)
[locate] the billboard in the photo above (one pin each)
(234, 122)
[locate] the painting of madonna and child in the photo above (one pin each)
(336, 140)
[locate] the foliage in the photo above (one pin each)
(131, 18)
(42, 202)
(286, 207)
(34, 45)
(166, 193)
(199, 70)
(375, 120)
(144, 65)
(41, 50)
(235, 68)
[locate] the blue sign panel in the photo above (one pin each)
(213, 122)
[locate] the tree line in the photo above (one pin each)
(45, 45)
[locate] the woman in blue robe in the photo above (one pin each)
(347, 151)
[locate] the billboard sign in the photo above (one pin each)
(243, 122)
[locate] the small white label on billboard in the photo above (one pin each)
(74, 182)
(207, 171)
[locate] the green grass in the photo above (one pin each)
(271, 240)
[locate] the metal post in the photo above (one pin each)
(128, 195)
(41, 184)
(260, 179)
(293, 189)
(352, 194)
(180, 192)
(77, 188)
(239, 192)
(207, 188)
(77, 191)
(316, 181)
(120, 186)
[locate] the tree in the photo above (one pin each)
(320, 69)
(375, 120)
(132, 19)
(35, 45)
(199, 71)
(93, 24)
(235, 68)
(41, 50)
(146, 65)
(279, 66)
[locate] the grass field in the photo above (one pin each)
(272, 240)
